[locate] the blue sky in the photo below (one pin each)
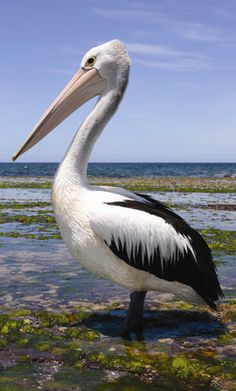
(181, 98)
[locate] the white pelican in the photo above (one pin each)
(125, 237)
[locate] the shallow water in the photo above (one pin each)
(22, 195)
(25, 264)
(207, 219)
(195, 198)
(43, 274)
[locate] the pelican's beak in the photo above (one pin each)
(83, 86)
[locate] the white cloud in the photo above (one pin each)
(159, 50)
(124, 13)
(183, 65)
(199, 32)
(180, 60)
(192, 31)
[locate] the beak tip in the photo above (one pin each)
(14, 157)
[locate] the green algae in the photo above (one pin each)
(25, 185)
(50, 319)
(208, 206)
(42, 337)
(185, 368)
(42, 222)
(180, 189)
(24, 205)
(21, 312)
(150, 184)
(179, 184)
(14, 234)
(42, 330)
(189, 370)
(76, 333)
(39, 218)
(228, 311)
(226, 338)
(220, 240)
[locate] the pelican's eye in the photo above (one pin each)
(90, 62)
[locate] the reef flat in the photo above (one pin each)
(60, 325)
(62, 350)
(180, 184)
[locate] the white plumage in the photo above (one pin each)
(136, 228)
(87, 223)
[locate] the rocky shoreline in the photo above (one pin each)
(59, 325)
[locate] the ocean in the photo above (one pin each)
(119, 170)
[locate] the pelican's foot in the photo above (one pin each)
(134, 319)
(135, 324)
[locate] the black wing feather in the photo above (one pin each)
(199, 273)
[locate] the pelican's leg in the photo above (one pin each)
(134, 317)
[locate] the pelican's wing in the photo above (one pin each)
(148, 236)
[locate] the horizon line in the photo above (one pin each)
(133, 162)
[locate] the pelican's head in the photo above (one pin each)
(111, 60)
(104, 67)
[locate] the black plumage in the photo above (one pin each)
(199, 272)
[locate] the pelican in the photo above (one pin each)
(125, 237)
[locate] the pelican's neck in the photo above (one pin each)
(73, 169)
